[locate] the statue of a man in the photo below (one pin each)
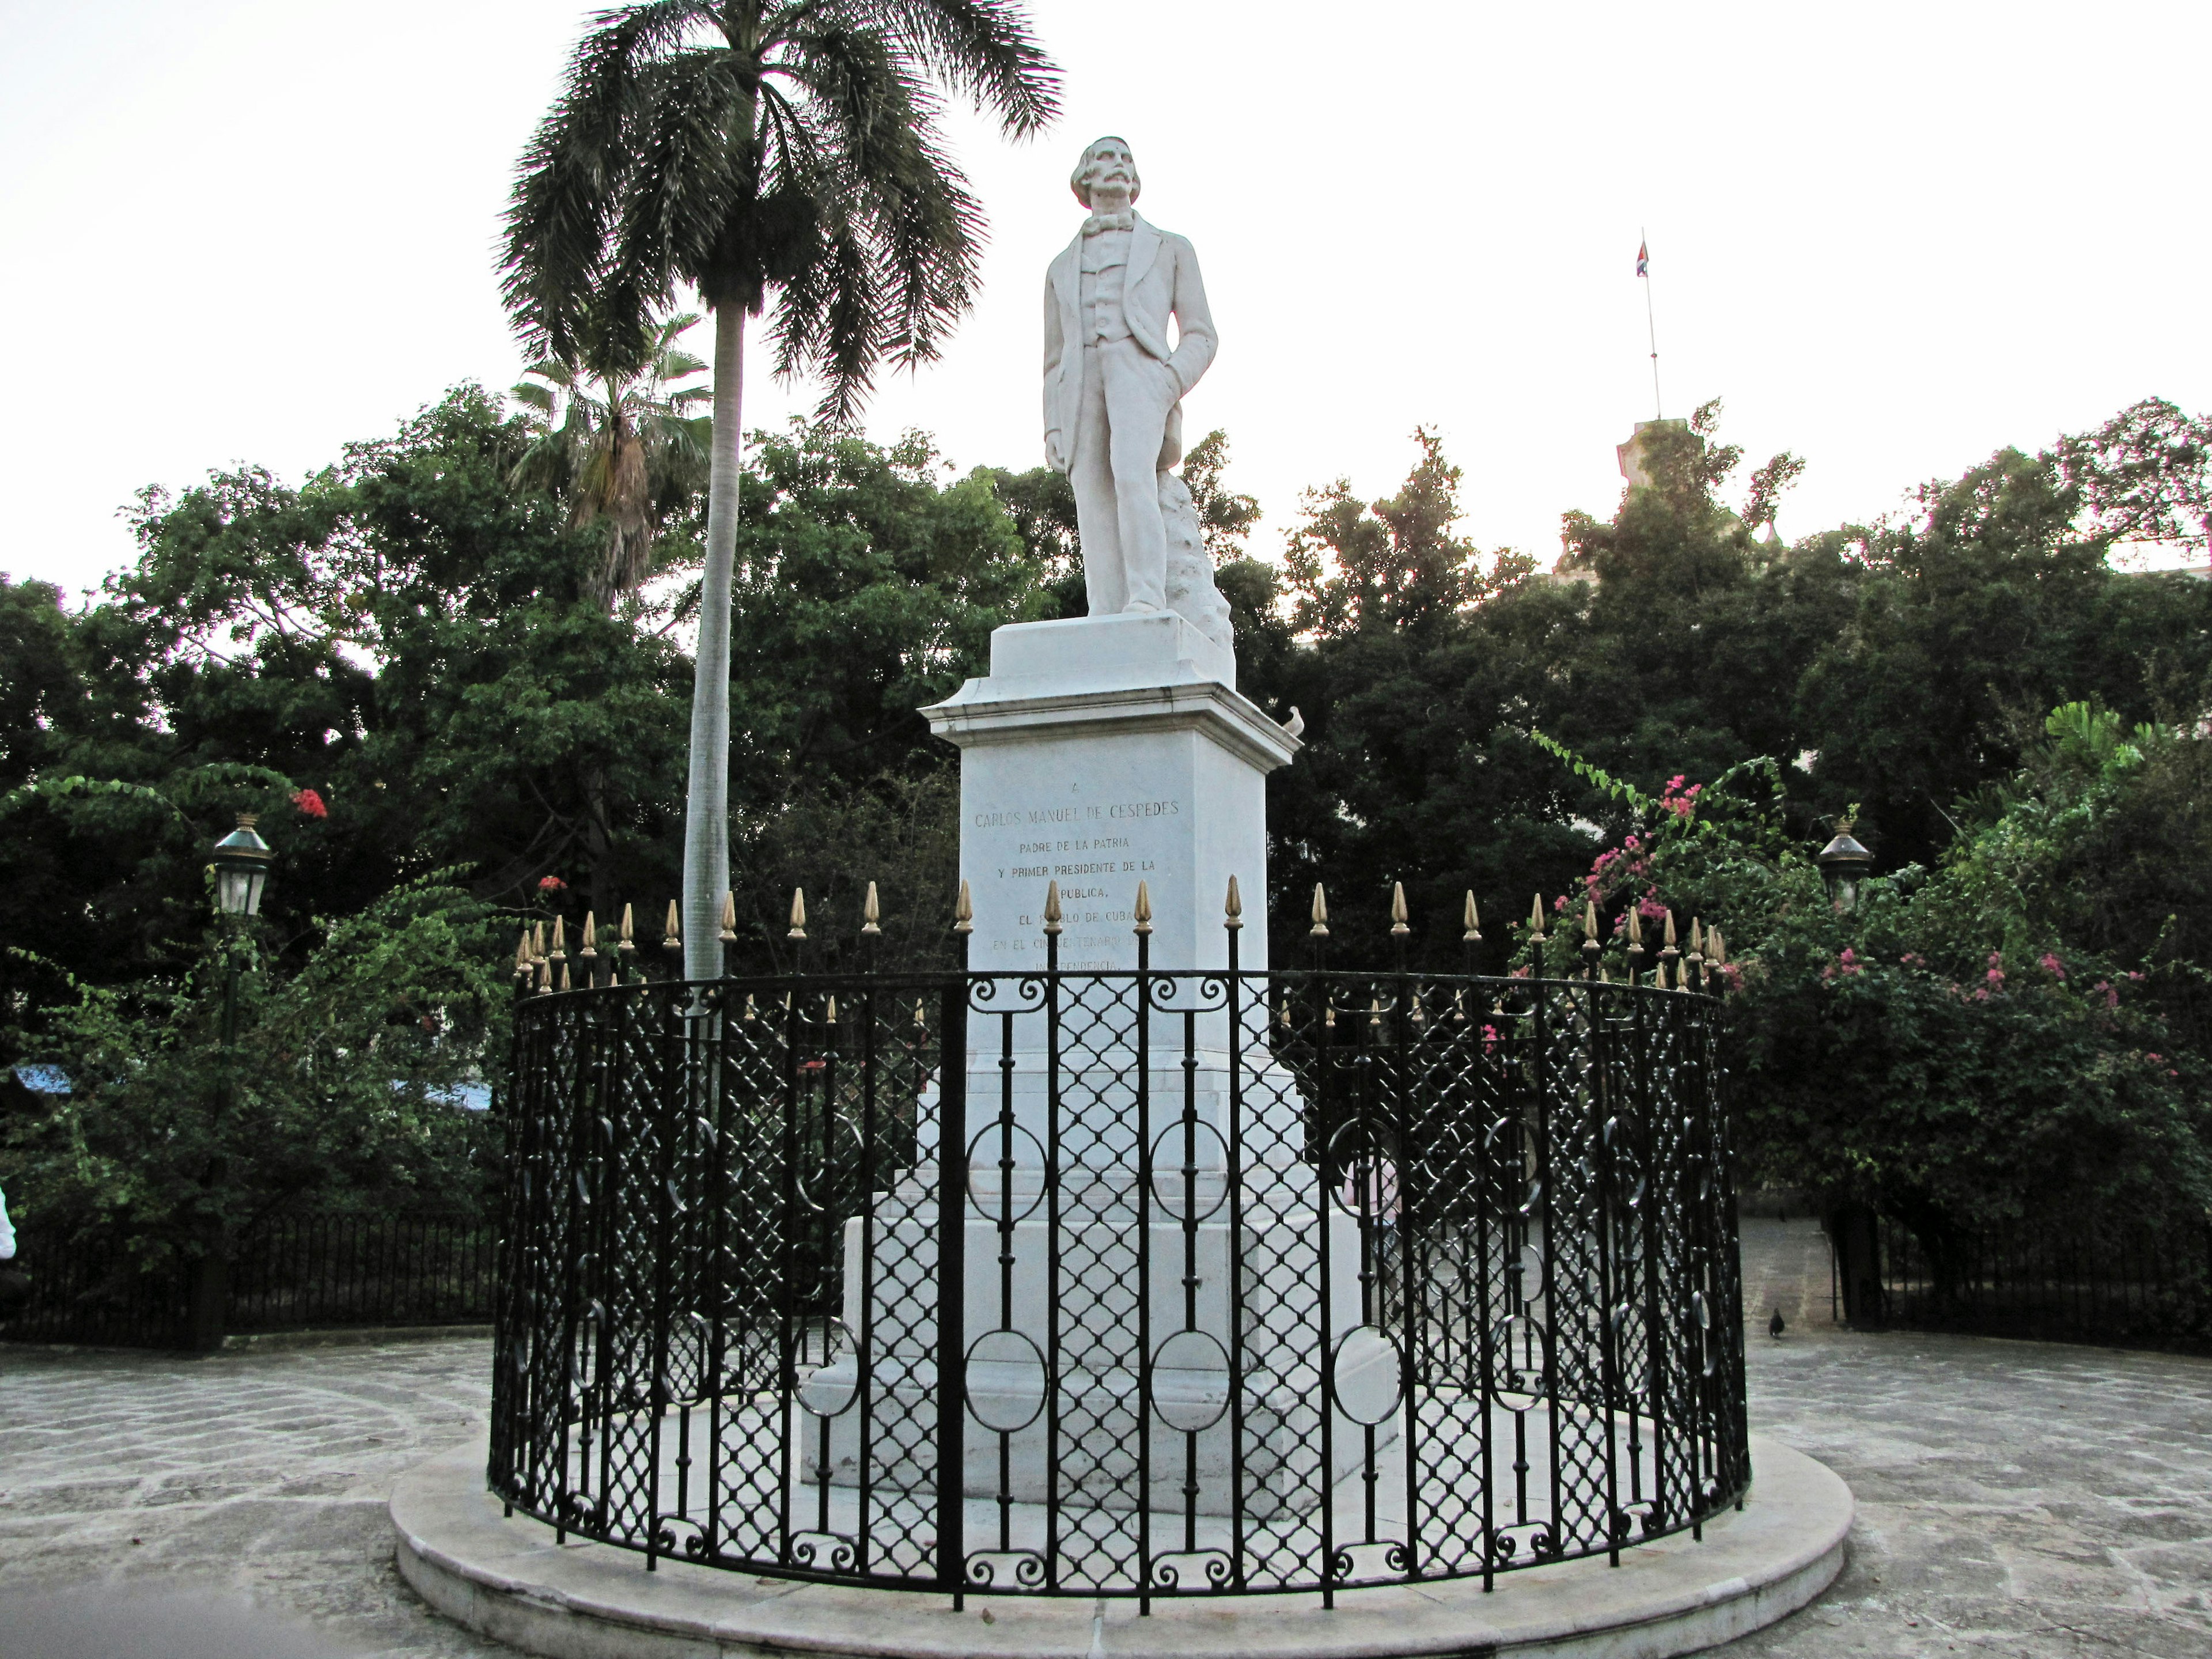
(1113, 389)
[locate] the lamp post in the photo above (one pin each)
(241, 860)
(1842, 862)
(1853, 1226)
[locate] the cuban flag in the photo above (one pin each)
(1643, 259)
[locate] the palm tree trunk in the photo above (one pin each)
(707, 800)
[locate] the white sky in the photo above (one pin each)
(1893, 236)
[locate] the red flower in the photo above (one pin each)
(2052, 965)
(550, 884)
(310, 804)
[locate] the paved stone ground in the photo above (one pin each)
(2016, 1497)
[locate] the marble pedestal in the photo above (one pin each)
(1098, 754)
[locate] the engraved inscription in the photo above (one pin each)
(1093, 851)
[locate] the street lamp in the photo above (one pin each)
(1842, 862)
(241, 866)
(241, 862)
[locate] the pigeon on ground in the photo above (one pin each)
(1774, 1326)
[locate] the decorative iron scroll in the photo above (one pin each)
(1129, 1284)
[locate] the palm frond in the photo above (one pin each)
(983, 50)
(695, 169)
(570, 187)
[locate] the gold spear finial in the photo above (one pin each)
(522, 957)
(729, 917)
(671, 931)
(871, 913)
(752, 1008)
(538, 943)
(963, 910)
(564, 976)
(1375, 1010)
(833, 1009)
(1143, 913)
(1696, 941)
(1470, 921)
(625, 940)
(1232, 908)
(1590, 920)
(1052, 906)
(1320, 912)
(560, 940)
(545, 977)
(798, 914)
(1398, 908)
(1536, 919)
(591, 946)
(1635, 931)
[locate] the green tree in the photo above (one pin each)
(743, 147)
(1985, 1044)
(340, 1089)
(617, 441)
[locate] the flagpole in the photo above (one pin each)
(1652, 327)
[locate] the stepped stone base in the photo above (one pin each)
(507, 1579)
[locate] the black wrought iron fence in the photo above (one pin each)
(289, 1272)
(2100, 1279)
(1118, 1283)
(341, 1270)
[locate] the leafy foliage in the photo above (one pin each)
(341, 1085)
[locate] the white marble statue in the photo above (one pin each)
(1113, 391)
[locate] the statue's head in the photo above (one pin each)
(1106, 161)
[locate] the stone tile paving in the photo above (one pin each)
(2014, 1497)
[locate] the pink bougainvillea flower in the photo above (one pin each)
(550, 884)
(2052, 965)
(310, 804)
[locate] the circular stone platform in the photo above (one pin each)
(507, 1579)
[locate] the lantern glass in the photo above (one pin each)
(241, 867)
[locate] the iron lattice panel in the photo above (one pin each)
(1250, 1282)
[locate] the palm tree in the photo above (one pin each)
(744, 147)
(620, 443)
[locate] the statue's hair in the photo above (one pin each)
(1075, 179)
